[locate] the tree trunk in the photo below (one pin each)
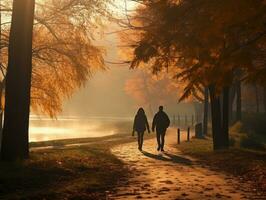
(232, 95)
(238, 102)
(264, 98)
(2, 85)
(206, 108)
(1, 127)
(220, 120)
(18, 82)
(225, 119)
(216, 118)
(1, 88)
(257, 99)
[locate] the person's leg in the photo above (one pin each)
(162, 138)
(139, 137)
(158, 140)
(141, 140)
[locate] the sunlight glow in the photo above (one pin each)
(44, 129)
(121, 7)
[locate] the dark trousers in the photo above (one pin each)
(140, 139)
(160, 139)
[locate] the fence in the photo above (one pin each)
(184, 121)
(184, 124)
(179, 135)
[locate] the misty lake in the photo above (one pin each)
(44, 129)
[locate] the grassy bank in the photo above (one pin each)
(79, 172)
(248, 165)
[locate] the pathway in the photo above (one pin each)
(172, 175)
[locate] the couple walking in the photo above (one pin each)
(160, 122)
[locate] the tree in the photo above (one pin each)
(63, 58)
(206, 111)
(2, 81)
(149, 90)
(205, 42)
(18, 81)
(63, 49)
(264, 98)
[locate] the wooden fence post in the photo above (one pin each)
(178, 136)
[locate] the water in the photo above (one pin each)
(44, 129)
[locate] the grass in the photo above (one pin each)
(80, 172)
(249, 165)
(246, 157)
(51, 174)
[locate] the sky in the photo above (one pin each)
(104, 94)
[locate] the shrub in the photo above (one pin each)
(251, 142)
(232, 141)
(255, 122)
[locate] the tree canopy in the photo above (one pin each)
(202, 42)
(64, 52)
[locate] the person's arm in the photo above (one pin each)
(147, 124)
(154, 122)
(134, 126)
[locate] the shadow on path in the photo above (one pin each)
(168, 157)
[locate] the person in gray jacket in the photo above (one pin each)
(160, 122)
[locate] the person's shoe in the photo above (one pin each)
(158, 149)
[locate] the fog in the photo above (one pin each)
(102, 105)
(104, 94)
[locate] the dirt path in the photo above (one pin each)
(172, 175)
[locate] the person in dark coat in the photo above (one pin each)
(140, 125)
(160, 122)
